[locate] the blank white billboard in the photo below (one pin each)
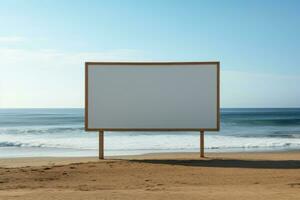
(171, 96)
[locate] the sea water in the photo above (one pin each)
(60, 132)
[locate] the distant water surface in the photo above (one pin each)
(60, 132)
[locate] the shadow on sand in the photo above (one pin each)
(228, 163)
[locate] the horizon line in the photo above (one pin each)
(292, 107)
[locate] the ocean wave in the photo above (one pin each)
(10, 144)
(33, 131)
(18, 144)
(284, 134)
(262, 122)
(60, 146)
(147, 142)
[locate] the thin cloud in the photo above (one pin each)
(11, 39)
(49, 78)
(21, 57)
(250, 89)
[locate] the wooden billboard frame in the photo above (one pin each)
(154, 64)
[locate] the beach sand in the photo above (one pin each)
(225, 176)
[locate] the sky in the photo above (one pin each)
(44, 44)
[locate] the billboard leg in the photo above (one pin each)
(202, 144)
(101, 145)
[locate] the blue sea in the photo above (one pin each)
(60, 132)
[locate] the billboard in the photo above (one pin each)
(152, 96)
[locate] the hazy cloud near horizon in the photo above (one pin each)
(50, 78)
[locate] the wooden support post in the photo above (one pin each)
(202, 144)
(101, 145)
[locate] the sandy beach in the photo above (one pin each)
(154, 176)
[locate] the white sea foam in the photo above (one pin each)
(142, 143)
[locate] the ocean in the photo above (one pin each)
(60, 132)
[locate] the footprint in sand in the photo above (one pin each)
(294, 185)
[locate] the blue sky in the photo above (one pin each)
(43, 45)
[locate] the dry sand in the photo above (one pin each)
(155, 176)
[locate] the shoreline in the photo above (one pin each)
(15, 162)
(37, 152)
